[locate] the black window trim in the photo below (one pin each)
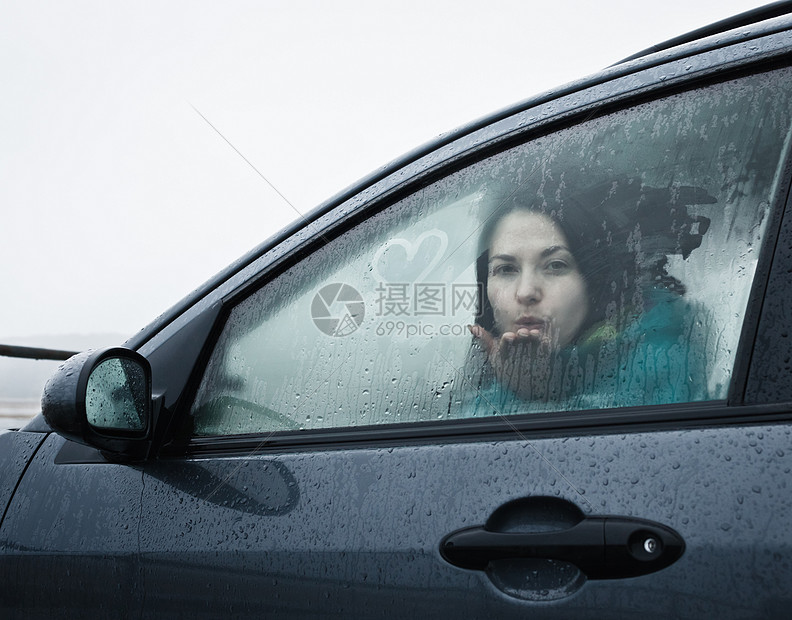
(524, 427)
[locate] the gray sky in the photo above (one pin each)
(118, 198)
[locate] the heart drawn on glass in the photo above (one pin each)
(401, 260)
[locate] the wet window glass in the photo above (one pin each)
(604, 265)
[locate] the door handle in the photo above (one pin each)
(602, 547)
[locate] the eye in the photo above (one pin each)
(558, 266)
(503, 269)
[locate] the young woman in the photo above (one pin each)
(576, 307)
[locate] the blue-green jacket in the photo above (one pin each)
(654, 354)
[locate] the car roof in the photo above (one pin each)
(748, 18)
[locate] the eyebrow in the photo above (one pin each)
(544, 254)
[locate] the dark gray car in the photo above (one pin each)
(538, 368)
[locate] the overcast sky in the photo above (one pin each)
(118, 198)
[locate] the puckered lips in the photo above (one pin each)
(534, 326)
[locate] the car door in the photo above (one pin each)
(351, 443)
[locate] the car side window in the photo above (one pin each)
(607, 264)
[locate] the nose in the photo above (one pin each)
(529, 288)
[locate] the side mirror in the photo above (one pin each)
(102, 399)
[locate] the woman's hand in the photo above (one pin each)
(519, 359)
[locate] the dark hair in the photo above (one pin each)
(620, 234)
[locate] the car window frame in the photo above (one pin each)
(770, 360)
(468, 149)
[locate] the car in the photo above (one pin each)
(540, 367)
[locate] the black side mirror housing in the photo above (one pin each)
(103, 399)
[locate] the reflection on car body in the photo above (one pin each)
(539, 368)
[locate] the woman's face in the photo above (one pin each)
(534, 285)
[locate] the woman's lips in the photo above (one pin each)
(530, 324)
(529, 321)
